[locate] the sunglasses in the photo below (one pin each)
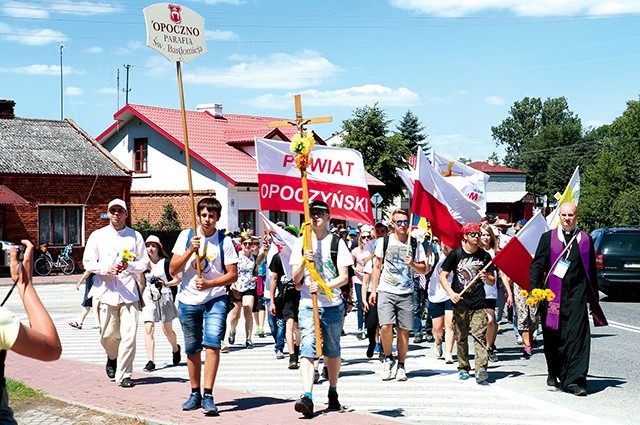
(246, 244)
(317, 213)
(366, 237)
(116, 210)
(402, 222)
(473, 234)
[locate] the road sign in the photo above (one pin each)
(376, 199)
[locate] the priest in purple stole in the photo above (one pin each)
(565, 263)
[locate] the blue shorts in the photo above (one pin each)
(437, 309)
(331, 324)
(209, 319)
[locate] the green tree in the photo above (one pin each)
(410, 130)
(367, 132)
(142, 225)
(494, 157)
(169, 220)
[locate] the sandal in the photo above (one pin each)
(75, 325)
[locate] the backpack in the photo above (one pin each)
(385, 244)
(347, 288)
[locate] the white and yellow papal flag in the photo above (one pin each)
(571, 194)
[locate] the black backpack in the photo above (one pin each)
(346, 289)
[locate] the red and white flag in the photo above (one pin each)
(516, 256)
(469, 181)
(446, 208)
(335, 176)
(282, 244)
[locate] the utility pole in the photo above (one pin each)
(127, 89)
(61, 85)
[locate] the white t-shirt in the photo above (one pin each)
(324, 266)
(9, 327)
(211, 267)
(436, 293)
(396, 276)
(491, 291)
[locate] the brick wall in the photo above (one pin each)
(149, 205)
(21, 221)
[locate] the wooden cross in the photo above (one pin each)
(300, 122)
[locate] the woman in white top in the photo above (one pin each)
(159, 305)
(488, 243)
(360, 254)
(439, 305)
(244, 291)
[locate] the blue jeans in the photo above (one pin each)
(203, 324)
(277, 327)
(358, 289)
(331, 324)
(418, 306)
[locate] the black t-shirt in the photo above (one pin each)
(465, 267)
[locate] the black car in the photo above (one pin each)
(618, 259)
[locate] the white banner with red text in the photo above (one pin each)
(335, 176)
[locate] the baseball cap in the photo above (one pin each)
(291, 229)
(353, 233)
(470, 227)
(118, 202)
(153, 239)
(319, 205)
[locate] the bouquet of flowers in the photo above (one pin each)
(127, 256)
(536, 295)
(301, 146)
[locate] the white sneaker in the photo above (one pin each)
(439, 351)
(387, 366)
(401, 374)
(448, 358)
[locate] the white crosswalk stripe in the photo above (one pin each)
(433, 393)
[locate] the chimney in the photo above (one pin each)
(213, 108)
(6, 109)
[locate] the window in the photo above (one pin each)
(246, 220)
(59, 225)
(140, 147)
(276, 216)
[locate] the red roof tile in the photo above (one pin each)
(485, 167)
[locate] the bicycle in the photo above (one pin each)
(45, 264)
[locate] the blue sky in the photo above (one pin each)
(459, 65)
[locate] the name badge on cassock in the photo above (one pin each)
(561, 268)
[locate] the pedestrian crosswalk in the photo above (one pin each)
(433, 393)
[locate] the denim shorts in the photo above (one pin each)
(209, 319)
(437, 309)
(331, 324)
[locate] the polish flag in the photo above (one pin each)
(446, 208)
(516, 256)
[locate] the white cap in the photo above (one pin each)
(118, 202)
(153, 239)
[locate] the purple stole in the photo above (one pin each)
(555, 283)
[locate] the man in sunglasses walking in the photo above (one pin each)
(466, 263)
(395, 258)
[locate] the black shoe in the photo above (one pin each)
(360, 336)
(248, 344)
(127, 383)
(304, 405)
(293, 361)
(381, 355)
(343, 333)
(429, 337)
(334, 404)
(150, 366)
(325, 372)
(177, 357)
(316, 376)
(232, 338)
(552, 381)
(576, 390)
(112, 365)
(370, 348)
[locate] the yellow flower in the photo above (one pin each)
(524, 293)
(127, 256)
(531, 302)
(302, 145)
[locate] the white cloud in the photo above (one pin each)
(17, 9)
(351, 97)
(108, 90)
(456, 8)
(31, 37)
(158, 66)
(457, 146)
(494, 100)
(132, 46)
(93, 50)
(73, 91)
(220, 35)
(39, 69)
(85, 7)
(276, 71)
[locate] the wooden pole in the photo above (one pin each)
(475, 278)
(187, 156)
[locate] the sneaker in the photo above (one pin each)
(150, 366)
(439, 351)
(316, 376)
(111, 366)
(176, 356)
(193, 402)
(293, 361)
(481, 376)
(448, 358)
(360, 336)
(248, 344)
(552, 381)
(343, 333)
(260, 333)
(334, 404)
(325, 372)
(429, 337)
(526, 353)
(463, 375)
(387, 367)
(127, 383)
(378, 348)
(381, 355)
(493, 357)
(401, 374)
(418, 339)
(519, 340)
(370, 349)
(304, 405)
(232, 338)
(208, 406)
(224, 348)
(279, 355)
